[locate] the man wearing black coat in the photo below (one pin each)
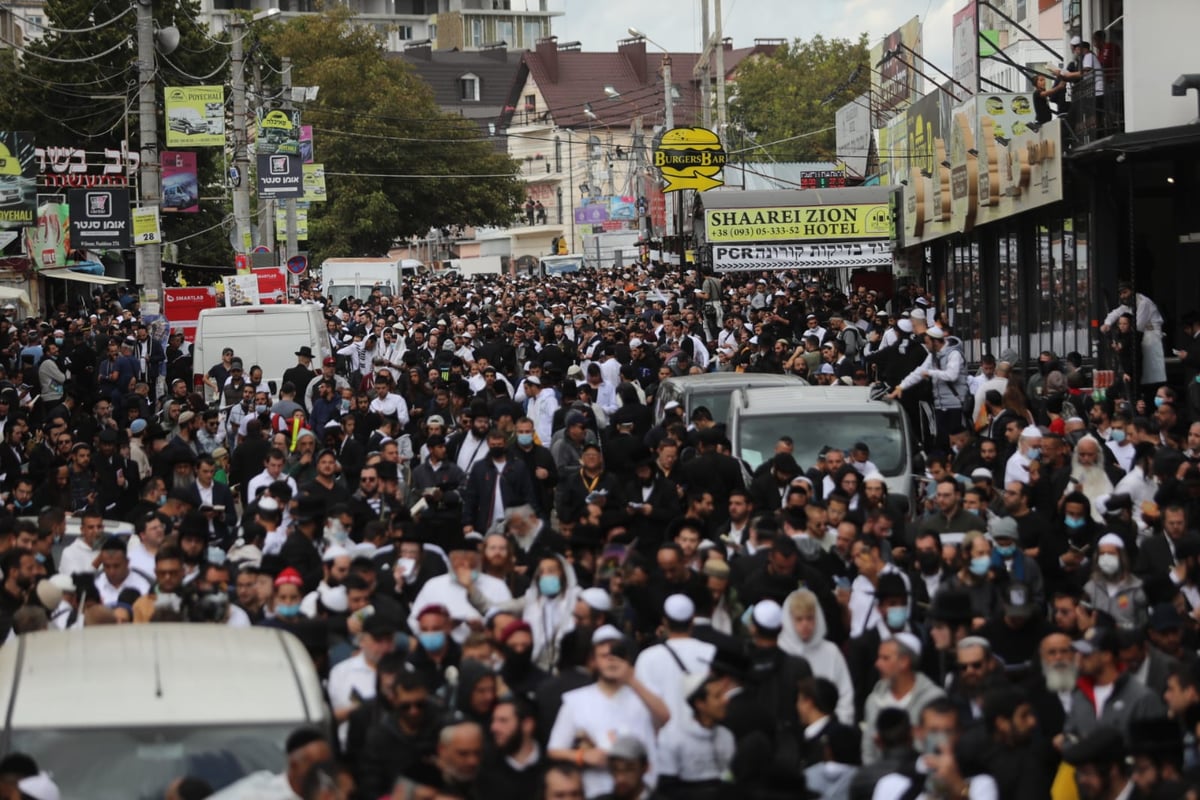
(300, 549)
(713, 471)
(494, 484)
(651, 502)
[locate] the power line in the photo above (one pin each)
(181, 71)
(88, 60)
(101, 26)
(433, 177)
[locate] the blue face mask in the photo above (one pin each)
(1117, 435)
(1074, 522)
(260, 409)
(1006, 551)
(524, 439)
(897, 617)
(550, 585)
(1034, 453)
(432, 641)
(41, 559)
(1158, 401)
(287, 610)
(980, 565)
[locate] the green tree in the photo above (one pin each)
(76, 87)
(395, 164)
(782, 98)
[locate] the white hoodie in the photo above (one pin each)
(824, 657)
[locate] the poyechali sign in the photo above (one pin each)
(799, 224)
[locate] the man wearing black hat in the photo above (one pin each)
(1148, 321)
(299, 551)
(769, 489)
(713, 471)
(1101, 770)
(301, 374)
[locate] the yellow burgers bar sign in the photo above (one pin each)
(690, 158)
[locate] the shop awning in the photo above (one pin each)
(82, 277)
(1154, 143)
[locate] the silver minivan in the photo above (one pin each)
(116, 712)
(713, 390)
(823, 416)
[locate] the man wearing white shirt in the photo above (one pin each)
(1029, 449)
(116, 576)
(82, 554)
(150, 531)
(272, 471)
(663, 668)
(542, 405)
(387, 404)
(593, 718)
(353, 681)
(464, 592)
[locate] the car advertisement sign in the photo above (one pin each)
(314, 183)
(100, 219)
(180, 187)
(278, 132)
(18, 180)
(280, 177)
(281, 224)
(195, 116)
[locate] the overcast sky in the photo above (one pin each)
(675, 24)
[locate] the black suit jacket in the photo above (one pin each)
(224, 524)
(516, 489)
(301, 554)
(1154, 557)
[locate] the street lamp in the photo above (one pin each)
(669, 119)
(240, 173)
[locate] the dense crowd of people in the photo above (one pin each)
(518, 576)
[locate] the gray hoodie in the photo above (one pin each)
(923, 691)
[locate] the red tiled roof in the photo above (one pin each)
(632, 71)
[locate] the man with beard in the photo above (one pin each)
(977, 673)
(1101, 770)
(1089, 475)
(20, 573)
(1104, 695)
(514, 765)
(1014, 754)
(466, 448)
(1050, 688)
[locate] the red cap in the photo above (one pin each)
(289, 575)
(513, 627)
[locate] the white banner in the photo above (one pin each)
(744, 258)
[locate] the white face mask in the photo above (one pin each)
(1109, 564)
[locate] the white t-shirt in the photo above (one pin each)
(354, 675)
(659, 672)
(588, 713)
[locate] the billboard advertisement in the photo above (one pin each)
(272, 285)
(18, 180)
(100, 219)
(182, 307)
(853, 125)
(195, 116)
(48, 242)
(180, 187)
(278, 132)
(894, 82)
(965, 47)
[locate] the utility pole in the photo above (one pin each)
(149, 183)
(241, 161)
(720, 37)
(266, 208)
(293, 245)
(705, 72)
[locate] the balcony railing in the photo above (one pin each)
(1097, 108)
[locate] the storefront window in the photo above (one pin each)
(964, 302)
(1008, 261)
(1062, 323)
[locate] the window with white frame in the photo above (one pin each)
(468, 88)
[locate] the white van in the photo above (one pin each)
(823, 416)
(267, 336)
(119, 711)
